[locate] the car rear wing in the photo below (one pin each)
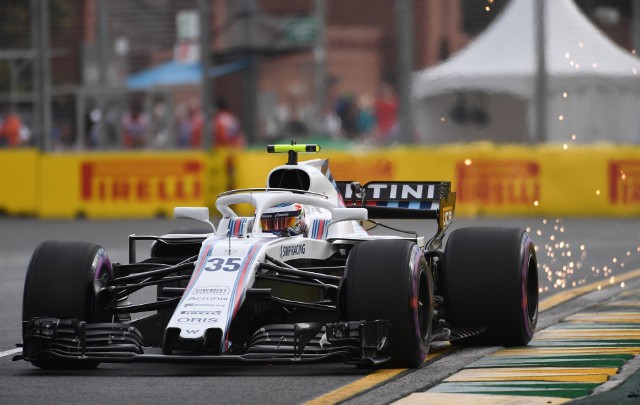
(402, 199)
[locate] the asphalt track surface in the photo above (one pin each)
(573, 253)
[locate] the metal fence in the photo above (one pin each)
(98, 74)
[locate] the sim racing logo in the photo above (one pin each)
(292, 250)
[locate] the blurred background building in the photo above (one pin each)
(129, 73)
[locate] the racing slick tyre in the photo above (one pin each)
(59, 284)
(491, 280)
(390, 279)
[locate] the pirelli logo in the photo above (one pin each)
(128, 180)
(498, 182)
(624, 182)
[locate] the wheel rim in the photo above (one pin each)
(423, 306)
(102, 273)
(532, 288)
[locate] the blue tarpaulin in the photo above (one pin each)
(175, 73)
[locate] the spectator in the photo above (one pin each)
(345, 109)
(159, 125)
(197, 121)
(366, 118)
(91, 127)
(386, 110)
(184, 118)
(10, 128)
(330, 124)
(226, 127)
(134, 126)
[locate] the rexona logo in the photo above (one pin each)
(624, 182)
(498, 183)
(133, 180)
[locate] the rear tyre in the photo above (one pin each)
(491, 280)
(390, 279)
(59, 284)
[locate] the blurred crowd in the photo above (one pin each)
(141, 130)
(227, 131)
(364, 118)
(360, 118)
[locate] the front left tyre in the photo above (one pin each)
(60, 284)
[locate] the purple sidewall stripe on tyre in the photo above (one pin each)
(416, 256)
(524, 297)
(100, 263)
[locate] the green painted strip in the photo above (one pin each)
(524, 384)
(577, 356)
(544, 393)
(614, 308)
(604, 317)
(585, 343)
(609, 334)
(573, 326)
(552, 361)
(541, 389)
(590, 336)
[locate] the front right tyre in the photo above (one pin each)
(390, 279)
(60, 284)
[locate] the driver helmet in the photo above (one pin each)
(284, 220)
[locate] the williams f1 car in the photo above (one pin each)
(299, 280)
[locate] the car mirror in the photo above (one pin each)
(198, 213)
(346, 214)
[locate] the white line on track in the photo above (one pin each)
(10, 352)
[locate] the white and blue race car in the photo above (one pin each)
(299, 280)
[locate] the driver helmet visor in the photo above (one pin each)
(279, 218)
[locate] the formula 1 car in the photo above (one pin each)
(300, 280)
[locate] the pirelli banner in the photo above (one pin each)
(127, 185)
(548, 180)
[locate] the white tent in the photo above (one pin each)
(486, 90)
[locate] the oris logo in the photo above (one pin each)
(197, 320)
